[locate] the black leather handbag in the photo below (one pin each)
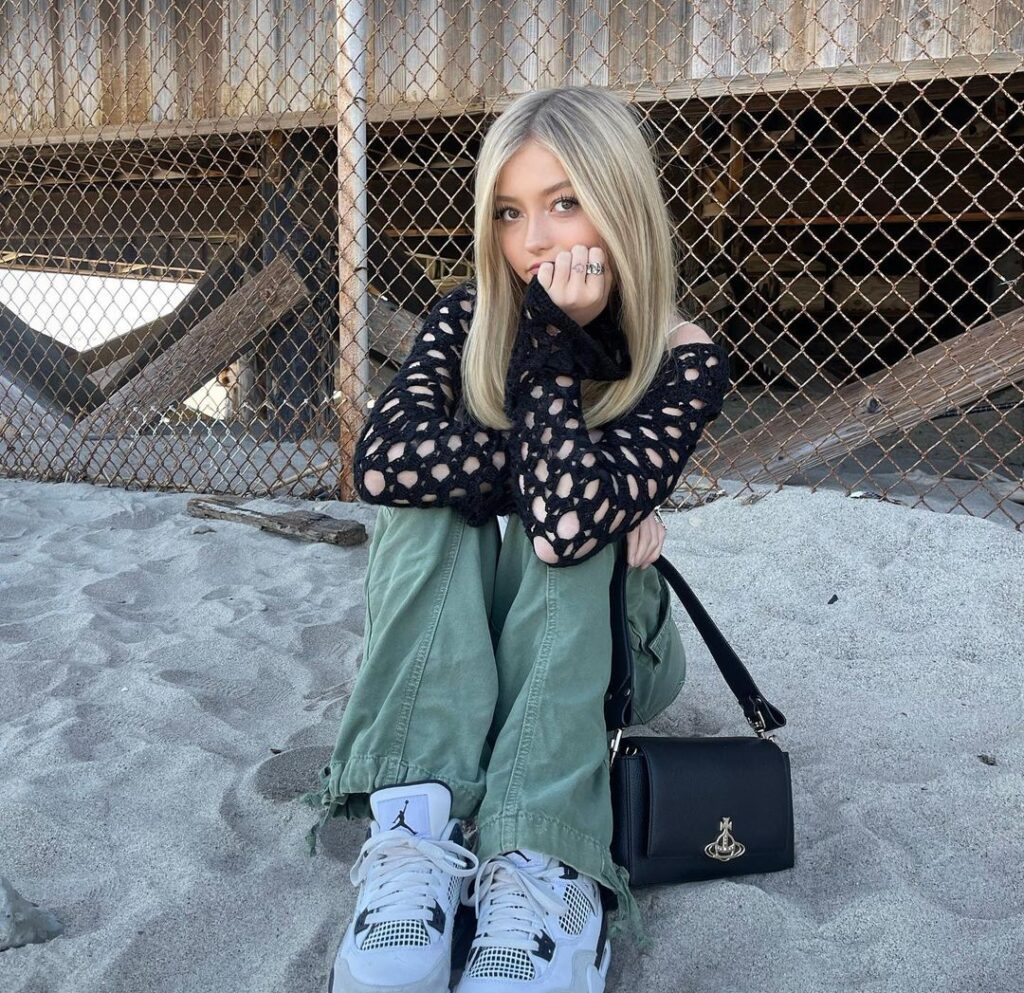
(686, 809)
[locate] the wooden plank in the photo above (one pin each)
(82, 45)
(1009, 24)
(40, 62)
(212, 344)
(392, 331)
(210, 58)
(113, 62)
(242, 96)
(961, 370)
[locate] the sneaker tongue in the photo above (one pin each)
(420, 808)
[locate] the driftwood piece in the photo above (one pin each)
(972, 365)
(208, 347)
(301, 524)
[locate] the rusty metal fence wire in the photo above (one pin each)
(223, 219)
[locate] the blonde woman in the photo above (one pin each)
(562, 389)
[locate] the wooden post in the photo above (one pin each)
(290, 349)
(352, 374)
(42, 369)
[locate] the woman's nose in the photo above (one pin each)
(536, 234)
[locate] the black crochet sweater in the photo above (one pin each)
(575, 488)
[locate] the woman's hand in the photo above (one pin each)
(581, 295)
(645, 541)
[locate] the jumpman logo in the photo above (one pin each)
(400, 820)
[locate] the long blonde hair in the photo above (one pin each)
(606, 151)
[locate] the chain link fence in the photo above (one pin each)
(223, 220)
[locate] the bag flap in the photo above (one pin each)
(703, 789)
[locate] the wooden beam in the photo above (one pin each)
(919, 386)
(27, 416)
(753, 90)
(145, 343)
(43, 369)
(145, 210)
(213, 343)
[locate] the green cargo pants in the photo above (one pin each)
(486, 669)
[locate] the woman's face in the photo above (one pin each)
(536, 221)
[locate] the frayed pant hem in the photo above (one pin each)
(345, 788)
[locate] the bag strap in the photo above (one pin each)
(760, 714)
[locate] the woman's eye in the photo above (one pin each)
(572, 201)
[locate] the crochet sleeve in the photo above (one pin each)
(578, 490)
(415, 449)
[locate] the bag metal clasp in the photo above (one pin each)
(614, 747)
(760, 727)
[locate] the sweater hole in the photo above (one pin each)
(568, 525)
(373, 481)
(544, 551)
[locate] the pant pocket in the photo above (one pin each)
(659, 658)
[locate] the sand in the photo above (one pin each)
(170, 685)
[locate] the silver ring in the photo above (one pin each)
(595, 268)
(661, 520)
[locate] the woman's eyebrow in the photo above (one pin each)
(543, 193)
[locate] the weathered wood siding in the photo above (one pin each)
(76, 65)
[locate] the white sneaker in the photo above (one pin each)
(541, 928)
(410, 868)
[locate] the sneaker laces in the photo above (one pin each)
(501, 886)
(403, 891)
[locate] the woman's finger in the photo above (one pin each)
(656, 540)
(601, 283)
(642, 549)
(636, 545)
(631, 547)
(581, 290)
(563, 270)
(649, 554)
